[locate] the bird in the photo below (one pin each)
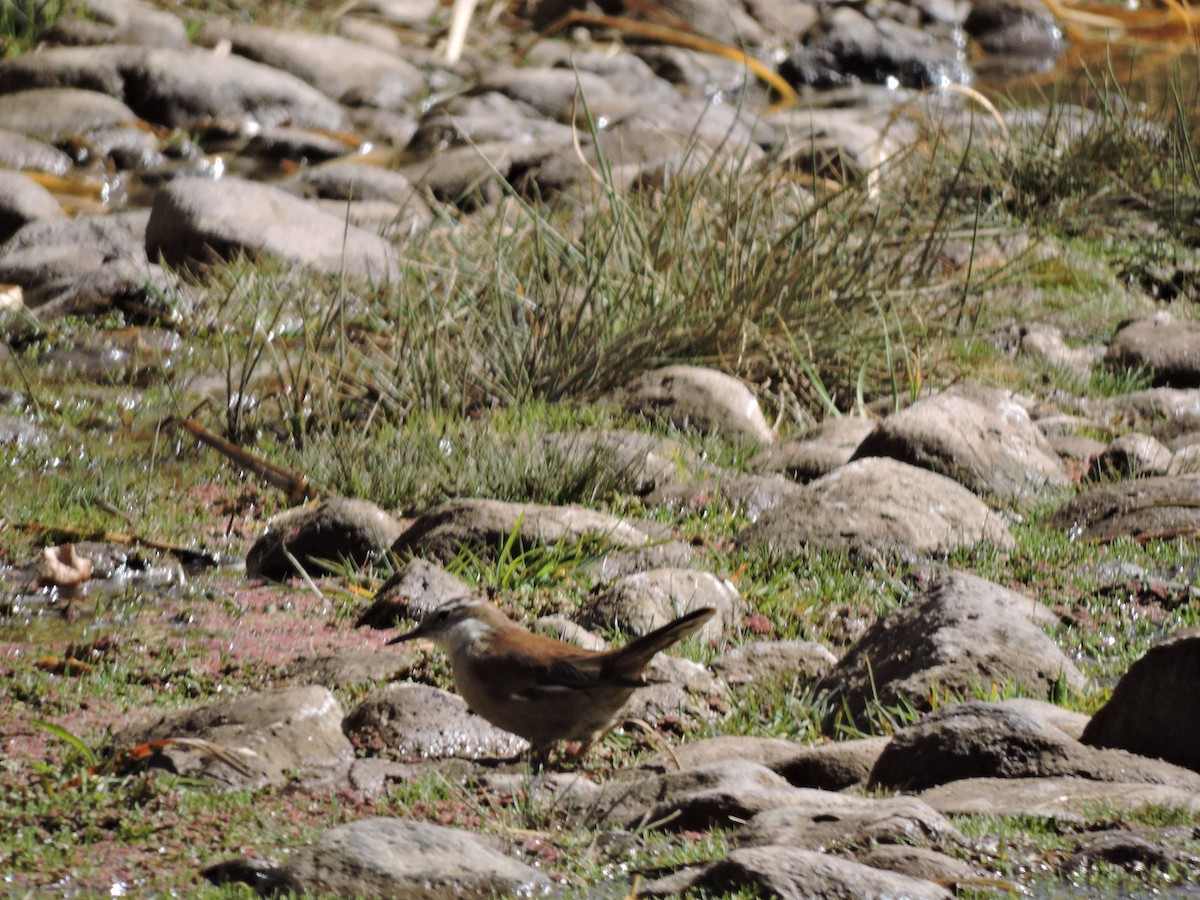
(536, 687)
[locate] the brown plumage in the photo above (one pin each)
(539, 688)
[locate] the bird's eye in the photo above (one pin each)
(443, 615)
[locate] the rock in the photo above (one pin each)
(1131, 456)
(349, 72)
(696, 754)
(988, 740)
(749, 495)
(1164, 506)
(825, 820)
(1064, 798)
(1136, 853)
(284, 736)
(846, 143)
(482, 119)
(1045, 343)
(1154, 708)
(845, 47)
(791, 873)
(1015, 28)
(818, 452)
(416, 589)
(119, 22)
(116, 356)
(352, 667)
(981, 438)
(701, 399)
(552, 93)
(485, 526)
(341, 181)
(921, 863)
(879, 506)
(170, 87)
(338, 530)
(795, 663)
(1151, 407)
(17, 151)
(1169, 349)
(718, 794)
(680, 691)
(832, 766)
(402, 858)
(963, 633)
(23, 200)
(59, 113)
(415, 721)
(195, 219)
(643, 601)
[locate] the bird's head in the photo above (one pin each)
(457, 624)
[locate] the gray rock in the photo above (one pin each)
(288, 735)
(1016, 28)
(1168, 348)
(1131, 456)
(552, 93)
(990, 740)
(195, 219)
(415, 589)
(125, 356)
(336, 530)
(696, 754)
(798, 663)
(1045, 343)
(59, 113)
(643, 601)
(352, 667)
(1155, 707)
(879, 506)
(1153, 407)
(680, 691)
(818, 452)
(142, 290)
(415, 721)
(847, 142)
(402, 858)
(981, 438)
(22, 200)
(963, 633)
(485, 526)
(1065, 798)
(1161, 849)
(720, 793)
(845, 47)
(703, 399)
(479, 119)
(118, 22)
(749, 495)
(1185, 461)
(345, 181)
(920, 863)
(351, 73)
(1163, 506)
(833, 766)
(167, 86)
(793, 874)
(17, 151)
(825, 820)
(470, 177)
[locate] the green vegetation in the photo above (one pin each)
(826, 297)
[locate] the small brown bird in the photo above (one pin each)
(539, 688)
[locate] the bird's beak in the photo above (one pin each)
(417, 632)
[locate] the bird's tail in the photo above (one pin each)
(630, 661)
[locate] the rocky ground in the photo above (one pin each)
(951, 651)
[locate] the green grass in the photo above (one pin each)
(822, 297)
